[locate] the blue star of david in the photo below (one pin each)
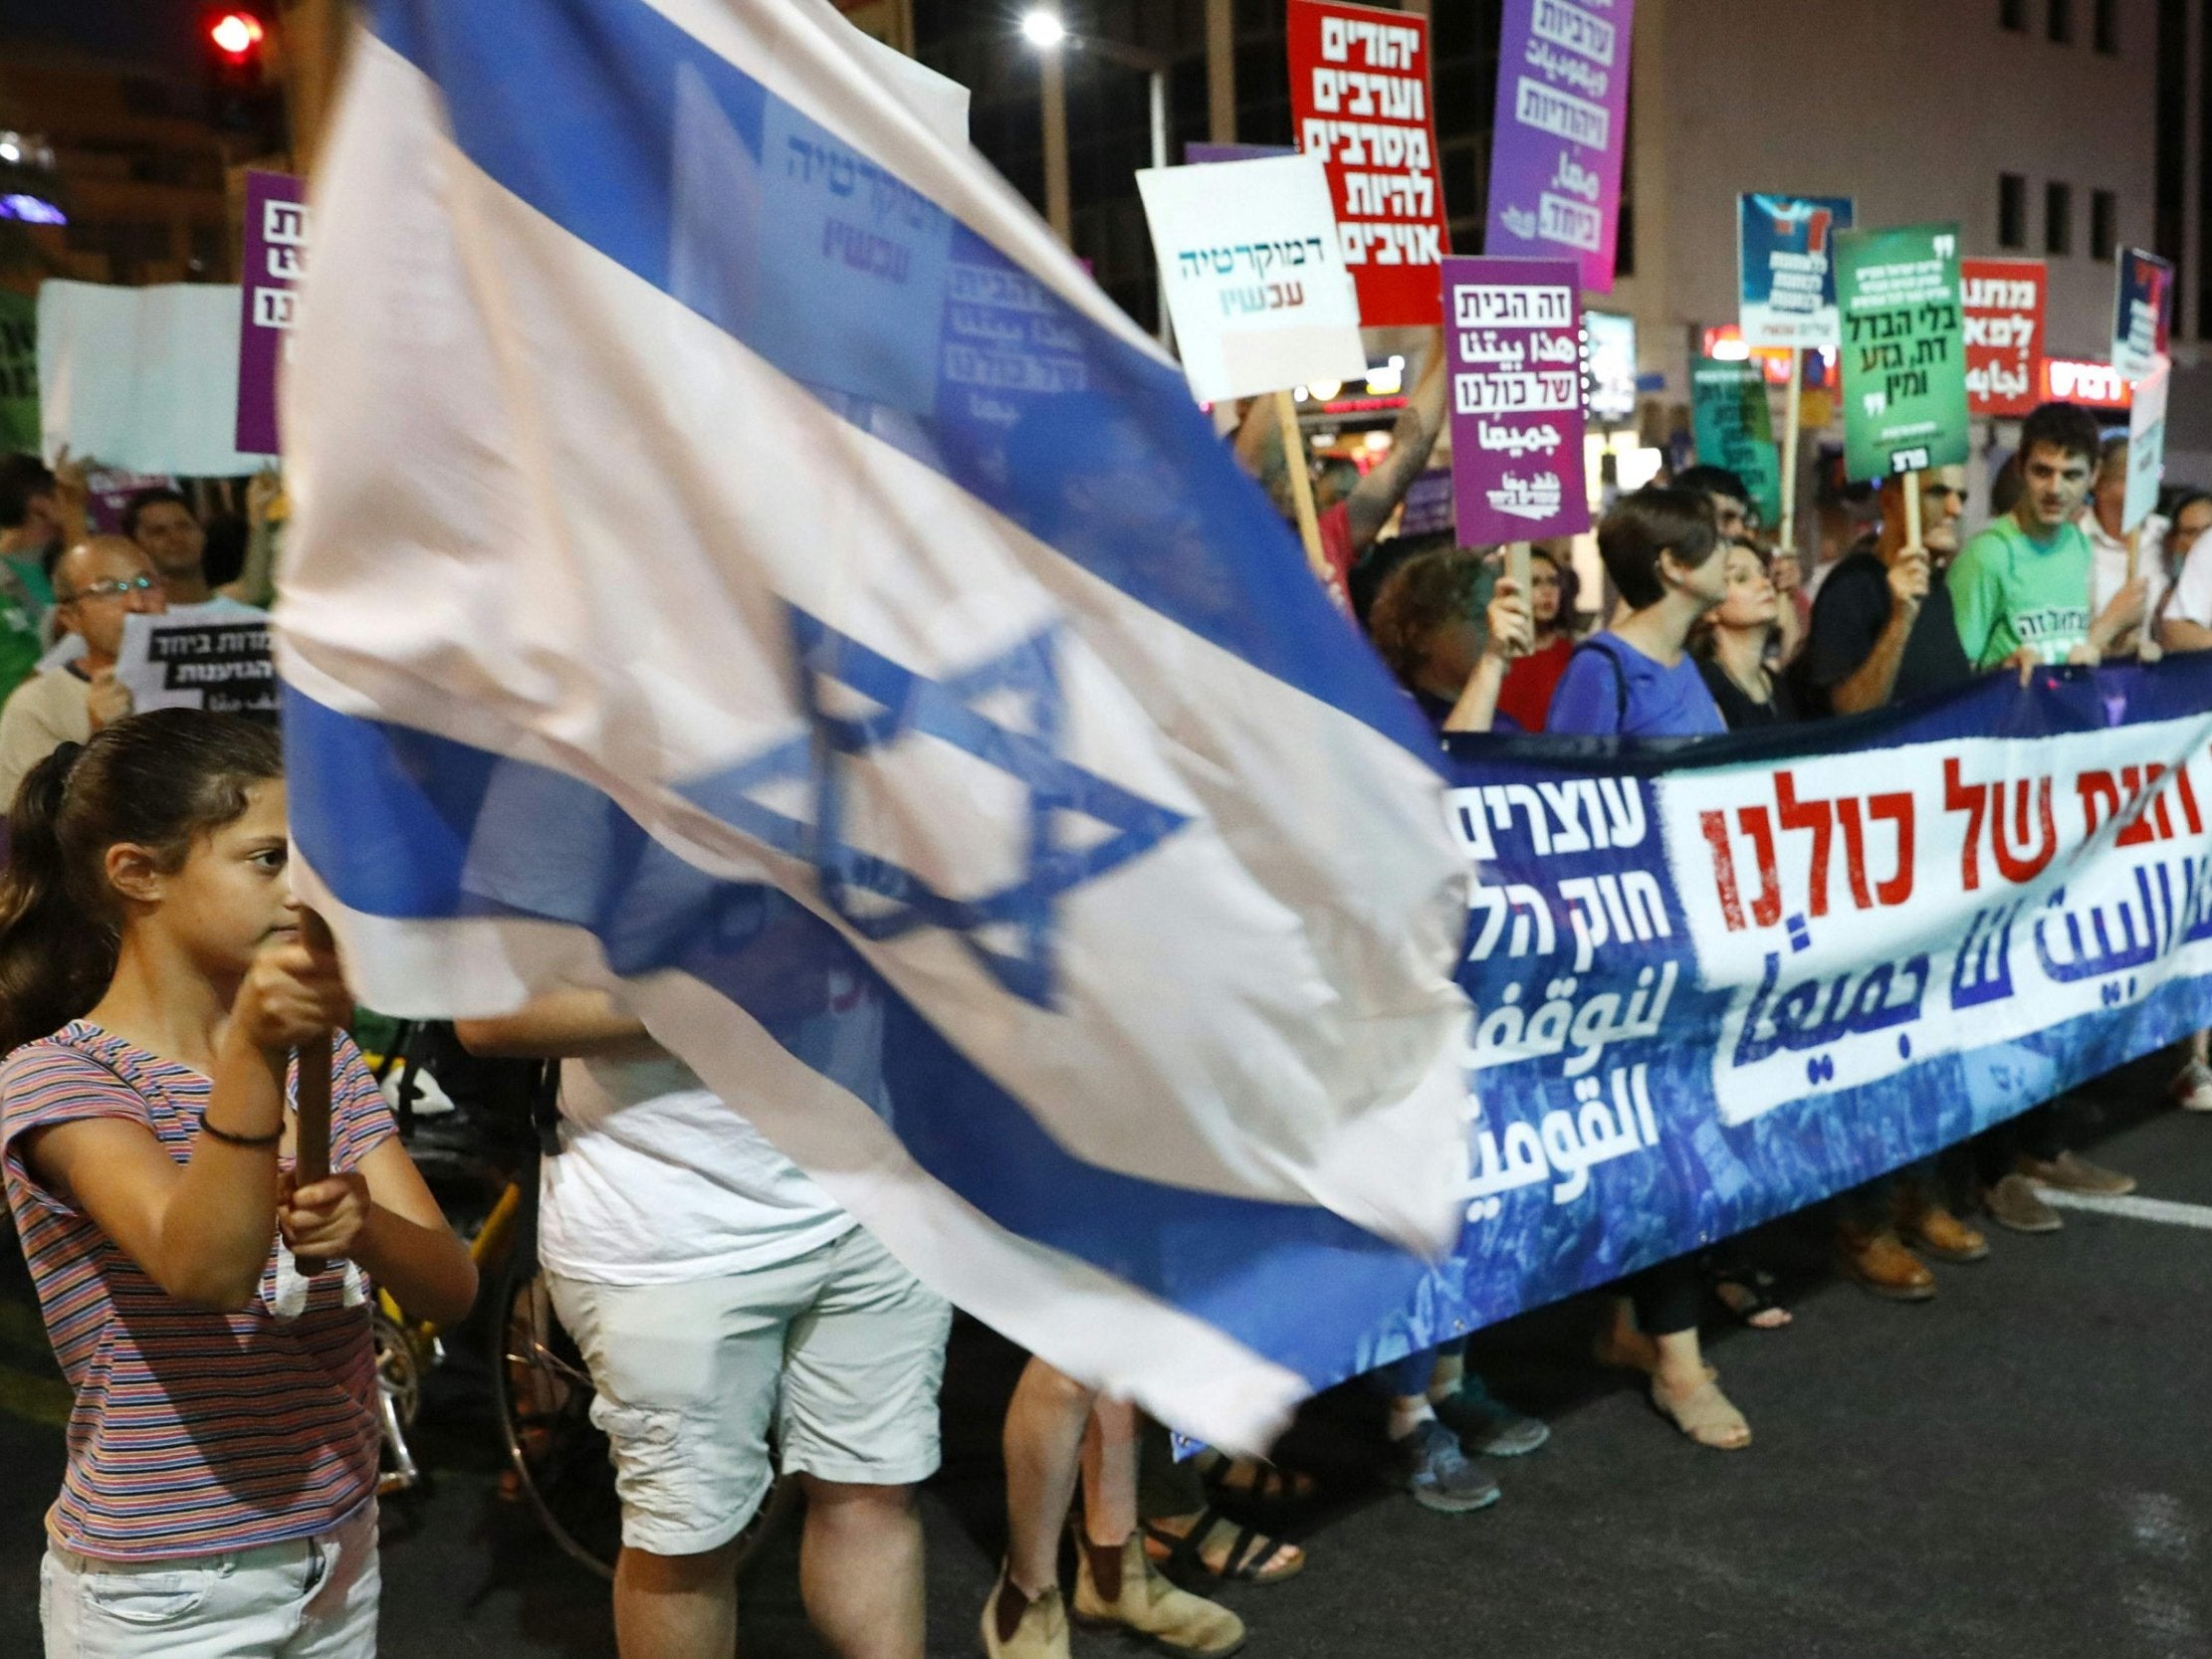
(878, 898)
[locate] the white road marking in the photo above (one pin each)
(2166, 1210)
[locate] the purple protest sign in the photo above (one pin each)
(1561, 126)
(275, 259)
(1515, 337)
(1197, 155)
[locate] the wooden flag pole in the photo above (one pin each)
(1301, 487)
(1792, 405)
(310, 1142)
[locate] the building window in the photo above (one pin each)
(2107, 27)
(2013, 15)
(2058, 219)
(2012, 211)
(2061, 21)
(2104, 225)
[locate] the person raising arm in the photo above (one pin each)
(220, 1488)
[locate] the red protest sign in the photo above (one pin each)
(2002, 310)
(1359, 99)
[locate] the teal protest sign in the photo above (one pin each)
(1905, 350)
(1734, 428)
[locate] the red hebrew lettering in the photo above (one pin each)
(1715, 826)
(1973, 800)
(1766, 909)
(1817, 817)
(2150, 820)
(1897, 808)
(2187, 791)
(2099, 799)
(2022, 867)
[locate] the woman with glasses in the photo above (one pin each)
(96, 584)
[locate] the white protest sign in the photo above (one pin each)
(1255, 275)
(2147, 444)
(221, 664)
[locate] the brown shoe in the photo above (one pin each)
(1122, 1588)
(1039, 1632)
(2072, 1172)
(1944, 1236)
(2015, 1203)
(1882, 1265)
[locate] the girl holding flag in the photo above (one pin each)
(220, 1491)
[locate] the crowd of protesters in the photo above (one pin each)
(212, 1313)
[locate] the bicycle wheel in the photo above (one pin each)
(542, 1394)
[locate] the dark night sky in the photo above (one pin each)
(155, 32)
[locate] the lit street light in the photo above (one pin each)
(1044, 28)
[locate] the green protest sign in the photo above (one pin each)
(19, 374)
(1734, 428)
(1905, 349)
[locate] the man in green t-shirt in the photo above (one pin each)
(2020, 590)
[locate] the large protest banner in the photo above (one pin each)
(1732, 425)
(220, 664)
(1359, 99)
(1559, 132)
(1785, 270)
(2143, 312)
(275, 260)
(1904, 360)
(2003, 303)
(1254, 276)
(1513, 335)
(1717, 982)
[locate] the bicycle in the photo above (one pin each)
(504, 1122)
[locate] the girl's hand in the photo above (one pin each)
(293, 994)
(325, 1220)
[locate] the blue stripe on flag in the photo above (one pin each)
(404, 824)
(639, 140)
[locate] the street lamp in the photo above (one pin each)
(1044, 29)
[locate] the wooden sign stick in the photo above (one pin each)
(1912, 510)
(310, 1136)
(1301, 487)
(1793, 409)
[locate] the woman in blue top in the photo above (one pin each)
(1638, 680)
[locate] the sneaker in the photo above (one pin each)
(1486, 1426)
(2072, 1172)
(2193, 1087)
(1436, 1472)
(2015, 1203)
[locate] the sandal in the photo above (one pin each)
(1251, 1481)
(1746, 1295)
(1251, 1556)
(1705, 1414)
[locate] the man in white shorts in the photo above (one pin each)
(716, 1291)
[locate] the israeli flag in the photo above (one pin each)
(740, 557)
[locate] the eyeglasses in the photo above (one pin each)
(109, 590)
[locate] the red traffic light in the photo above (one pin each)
(236, 36)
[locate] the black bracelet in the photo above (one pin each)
(207, 1127)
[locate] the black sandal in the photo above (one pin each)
(1247, 1563)
(1248, 1481)
(1744, 1293)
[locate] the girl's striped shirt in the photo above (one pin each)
(194, 1432)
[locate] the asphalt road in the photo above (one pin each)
(2021, 1468)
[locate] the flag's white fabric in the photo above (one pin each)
(738, 554)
